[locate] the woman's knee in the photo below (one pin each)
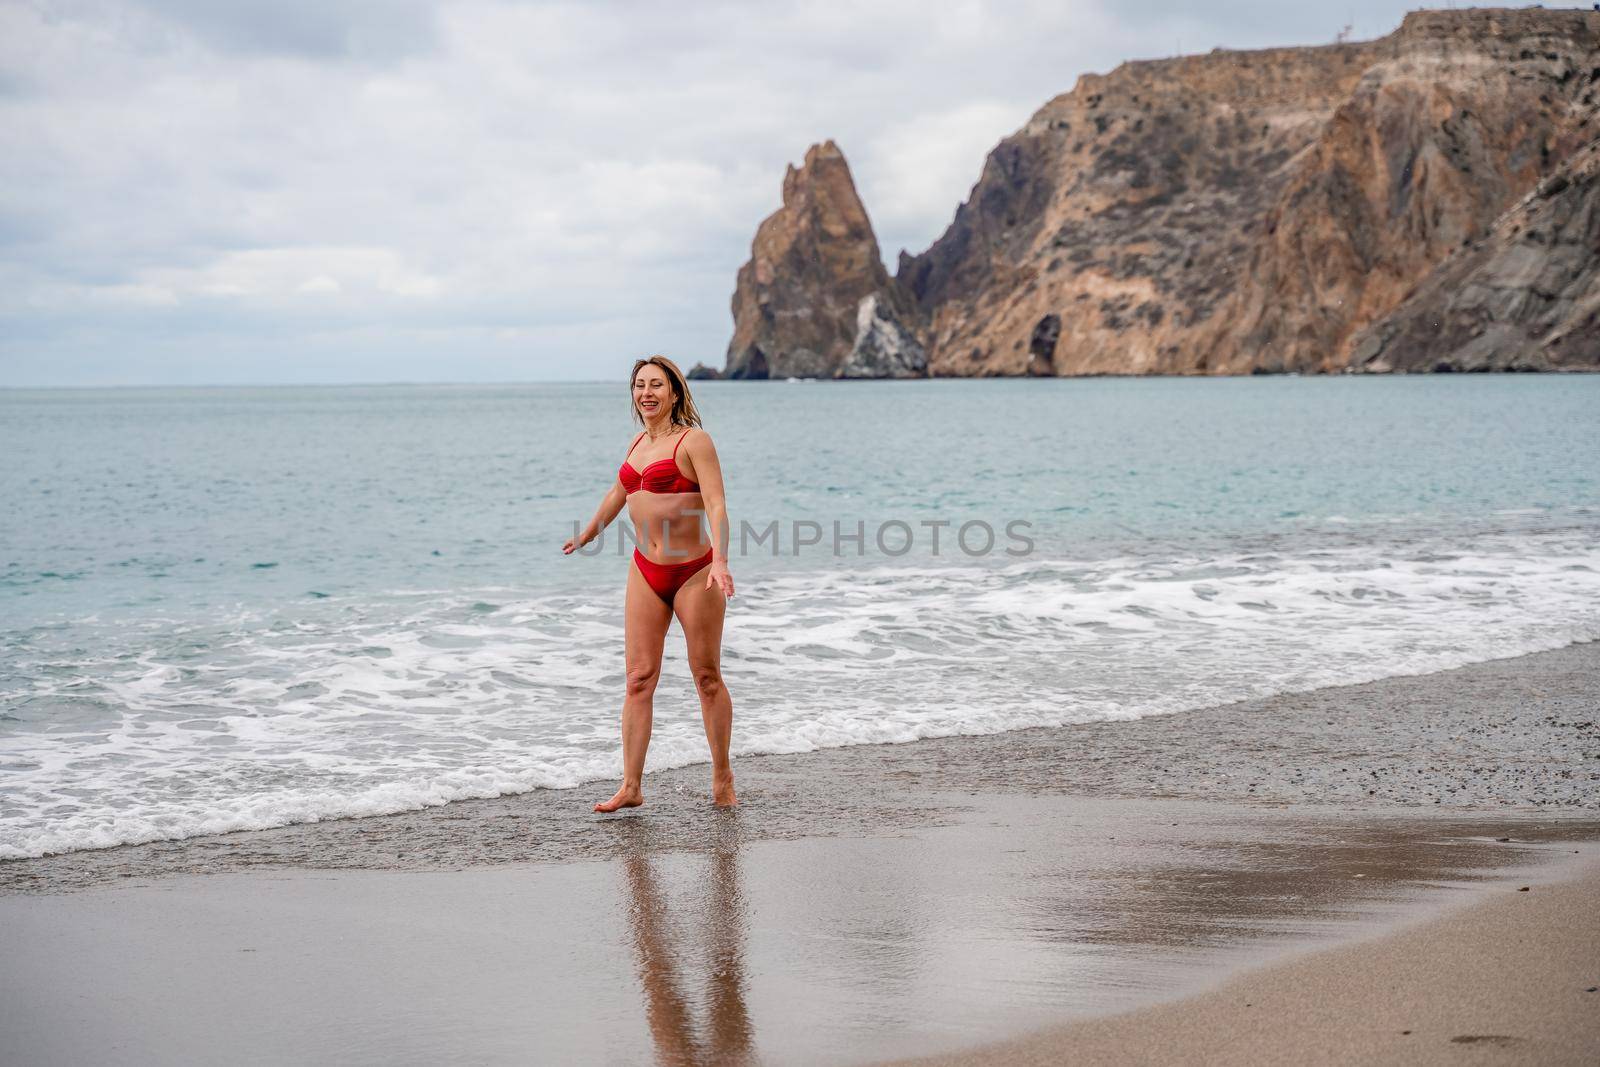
(708, 681)
(642, 678)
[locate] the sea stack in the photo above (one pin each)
(814, 300)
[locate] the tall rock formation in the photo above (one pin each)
(1247, 212)
(814, 300)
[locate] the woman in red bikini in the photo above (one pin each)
(669, 481)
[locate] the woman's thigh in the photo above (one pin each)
(700, 611)
(646, 618)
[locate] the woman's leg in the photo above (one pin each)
(700, 610)
(646, 618)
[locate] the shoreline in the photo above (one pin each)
(356, 807)
(1466, 739)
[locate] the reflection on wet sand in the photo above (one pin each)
(666, 942)
(1232, 890)
(842, 949)
(906, 944)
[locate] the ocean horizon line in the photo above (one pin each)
(850, 382)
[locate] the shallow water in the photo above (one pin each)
(239, 608)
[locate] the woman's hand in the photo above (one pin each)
(575, 543)
(718, 576)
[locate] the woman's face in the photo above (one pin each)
(652, 394)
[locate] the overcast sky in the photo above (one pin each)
(236, 191)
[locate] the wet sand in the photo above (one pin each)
(840, 949)
(1510, 980)
(877, 902)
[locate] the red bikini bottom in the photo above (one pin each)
(667, 578)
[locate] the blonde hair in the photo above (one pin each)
(684, 413)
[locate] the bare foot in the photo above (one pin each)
(625, 798)
(722, 790)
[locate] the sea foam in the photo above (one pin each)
(357, 706)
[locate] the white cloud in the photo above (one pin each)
(277, 276)
(920, 169)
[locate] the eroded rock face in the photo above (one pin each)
(1250, 211)
(1526, 297)
(1235, 212)
(884, 347)
(1120, 217)
(1042, 346)
(813, 262)
(1469, 113)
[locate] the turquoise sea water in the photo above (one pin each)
(230, 608)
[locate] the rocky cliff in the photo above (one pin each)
(1526, 297)
(1227, 213)
(1106, 233)
(1469, 112)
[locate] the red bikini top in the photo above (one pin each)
(662, 476)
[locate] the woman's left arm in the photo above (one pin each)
(708, 473)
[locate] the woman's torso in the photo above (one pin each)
(664, 503)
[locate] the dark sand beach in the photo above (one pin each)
(1345, 863)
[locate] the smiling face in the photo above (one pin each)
(652, 392)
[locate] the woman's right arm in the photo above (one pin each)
(615, 500)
